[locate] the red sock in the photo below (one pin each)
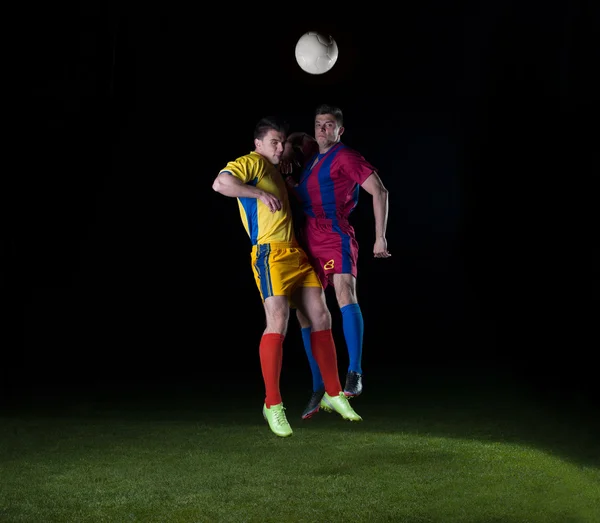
(323, 349)
(271, 358)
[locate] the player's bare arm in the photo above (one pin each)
(374, 186)
(228, 185)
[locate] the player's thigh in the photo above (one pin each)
(311, 303)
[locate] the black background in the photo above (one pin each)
(121, 264)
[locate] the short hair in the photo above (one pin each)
(331, 109)
(268, 123)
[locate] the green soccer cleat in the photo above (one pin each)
(275, 416)
(341, 405)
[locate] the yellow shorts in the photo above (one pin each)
(281, 268)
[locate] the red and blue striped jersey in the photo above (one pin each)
(329, 188)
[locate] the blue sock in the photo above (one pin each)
(353, 325)
(314, 367)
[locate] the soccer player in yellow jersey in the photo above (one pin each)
(282, 272)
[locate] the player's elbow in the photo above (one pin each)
(218, 184)
(380, 193)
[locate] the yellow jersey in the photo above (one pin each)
(261, 224)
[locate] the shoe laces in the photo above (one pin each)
(344, 401)
(279, 414)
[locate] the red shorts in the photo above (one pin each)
(331, 246)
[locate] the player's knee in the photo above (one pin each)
(321, 319)
(346, 297)
(345, 289)
(276, 324)
(277, 315)
(303, 321)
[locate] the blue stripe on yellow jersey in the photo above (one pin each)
(260, 223)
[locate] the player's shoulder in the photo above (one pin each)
(257, 159)
(348, 152)
(251, 160)
(247, 166)
(347, 149)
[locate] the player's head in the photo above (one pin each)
(329, 126)
(269, 138)
(331, 110)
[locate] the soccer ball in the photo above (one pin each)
(316, 53)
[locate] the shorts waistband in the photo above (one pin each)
(325, 221)
(277, 245)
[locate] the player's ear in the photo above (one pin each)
(341, 130)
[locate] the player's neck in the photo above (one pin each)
(323, 150)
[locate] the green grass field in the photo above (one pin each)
(478, 453)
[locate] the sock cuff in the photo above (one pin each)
(326, 334)
(273, 336)
(350, 307)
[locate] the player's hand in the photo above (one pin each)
(289, 181)
(286, 166)
(380, 249)
(271, 201)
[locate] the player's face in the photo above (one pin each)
(271, 146)
(327, 131)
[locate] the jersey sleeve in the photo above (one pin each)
(355, 166)
(244, 168)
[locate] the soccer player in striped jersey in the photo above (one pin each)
(282, 271)
(328, 186)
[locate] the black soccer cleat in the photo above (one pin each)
(313, 404)
(353, 385)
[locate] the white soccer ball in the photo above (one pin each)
(316, 53)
